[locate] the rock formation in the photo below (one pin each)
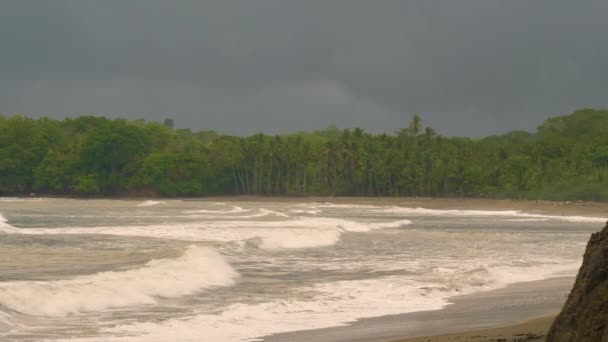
(585, 314)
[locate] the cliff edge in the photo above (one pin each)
(584, 317)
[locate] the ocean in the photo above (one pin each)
(203, 270)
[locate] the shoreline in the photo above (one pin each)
(505, 308)
(531, 330)
(586, 208)
(513, 304)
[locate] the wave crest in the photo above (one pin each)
(5, 227)
(234, 209)
(149, 203)
(197, 269)
(486, 213)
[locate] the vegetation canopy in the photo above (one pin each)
(566, 159)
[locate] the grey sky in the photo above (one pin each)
(468, 67)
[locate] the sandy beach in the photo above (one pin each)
(532, 330)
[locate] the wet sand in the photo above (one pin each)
(532, 330)
(508, 307)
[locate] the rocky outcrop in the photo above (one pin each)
(585, 314)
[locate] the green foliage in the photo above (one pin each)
(172, 174)
(88, 184)
(599, 156)
(566, 159)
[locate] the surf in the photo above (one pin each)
(310, 231)
(197, 269)
(517, 214)
(5, 227)
(336, 303)
(150, 203)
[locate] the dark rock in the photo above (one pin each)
(585, 314)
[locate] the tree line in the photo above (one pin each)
(565, 159)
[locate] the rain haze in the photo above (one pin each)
(467, 67)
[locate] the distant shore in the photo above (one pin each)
(583, 208)
(540, 206)
(456, 203)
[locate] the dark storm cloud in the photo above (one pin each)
(468, 67)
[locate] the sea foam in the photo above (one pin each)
(484, 213)
(197, 269)
(150, 203)
(234, 209)
(312, 231)
(5, 227)
(330, 304)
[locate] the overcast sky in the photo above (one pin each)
(467, 67)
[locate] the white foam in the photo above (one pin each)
(149, 203)
(353, 226)
(326, 305)
(311, 231)
(311, 212)
(567, 218)
(273, 212)
(197, 269)
(329, 305)
(299, 238)
(5, 227)
(235, 209)
(11, 199)
(484, 213)
(261, 213)
(316, 205)
(23, 199)
(479, 277)
(526, 220)
(392, 224)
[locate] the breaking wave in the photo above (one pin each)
(316, 205)
(333, 304)
(272, 212)
(287, 239)
(5, 227)
(234, 209)
(197, 269)
(261, 212)
(485, 213)
(301, 232)
(311, 212)
(300, 235)
(150, 203)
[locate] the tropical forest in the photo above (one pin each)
(565, 159)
